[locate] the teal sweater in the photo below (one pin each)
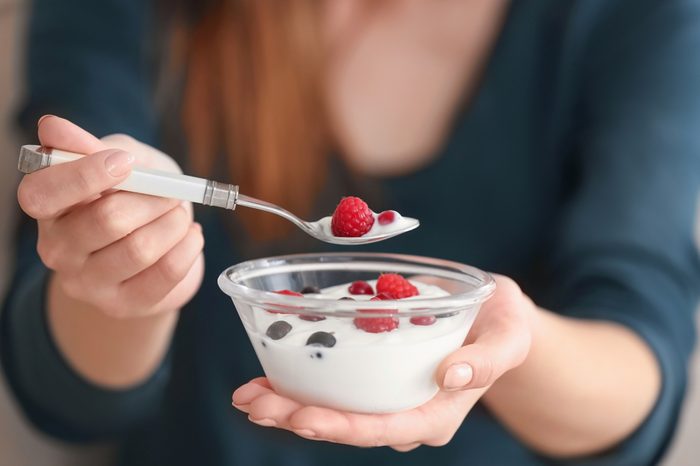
(575, 169)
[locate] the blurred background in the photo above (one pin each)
(20, 444)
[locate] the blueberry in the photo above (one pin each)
(278, 329)
(311, 318)
(321, 339)
(311, 290)
(346, 298)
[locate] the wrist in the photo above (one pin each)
(539, 325)
(107, 351)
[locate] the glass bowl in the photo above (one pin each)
(362, 372)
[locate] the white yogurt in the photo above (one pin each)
(400, 223)
(364, 372)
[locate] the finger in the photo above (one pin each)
(53, 255)
(362, 430)
(262, 381)
(433, 423)
(245, 394)
(127, 144)
(406, 448)
(500, 343)
(146, 156)
(140, 249)
(60, 133)
(47, 193)
(271, 409)
(107, 220)
(341, 427)
(154, 284)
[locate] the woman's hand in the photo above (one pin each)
(498, 341)
(123, 263)
(126, 254)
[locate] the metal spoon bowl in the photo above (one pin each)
(317, 230)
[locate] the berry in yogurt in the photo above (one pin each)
(287, 293)
(423, 320)
(377, 324)
(321, 339)
(360, 287)
(396, 286)
(310, 290)
(278, 330)
(311, 318)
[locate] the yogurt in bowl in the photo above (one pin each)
(324, 349)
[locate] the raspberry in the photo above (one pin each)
(377, 324)
(352, 218)
(423, 320)
(360, 287)
(386, 217)
(396, 286)
(287, 293)
(383, 296)
(301, 316)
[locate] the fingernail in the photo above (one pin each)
(457, 376)
(305, 432)
(38, 123)
(265, 422)
(119, 163)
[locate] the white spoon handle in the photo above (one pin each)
(142, 180)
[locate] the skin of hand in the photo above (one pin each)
(498, 341)
(122, 263)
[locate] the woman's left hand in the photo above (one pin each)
(498, 341)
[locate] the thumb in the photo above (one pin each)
(477, 365)
(498, 341)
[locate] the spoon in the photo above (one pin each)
(207, 192)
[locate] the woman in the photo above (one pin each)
(554, 142)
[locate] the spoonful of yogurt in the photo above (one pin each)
(352, 223)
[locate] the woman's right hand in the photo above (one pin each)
(123, 253)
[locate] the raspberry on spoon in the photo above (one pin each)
(386, 217)
(352, 218)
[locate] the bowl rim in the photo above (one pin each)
(484, 286)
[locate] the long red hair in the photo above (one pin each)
(253, 92)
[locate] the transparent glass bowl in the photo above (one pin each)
(363, 372)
